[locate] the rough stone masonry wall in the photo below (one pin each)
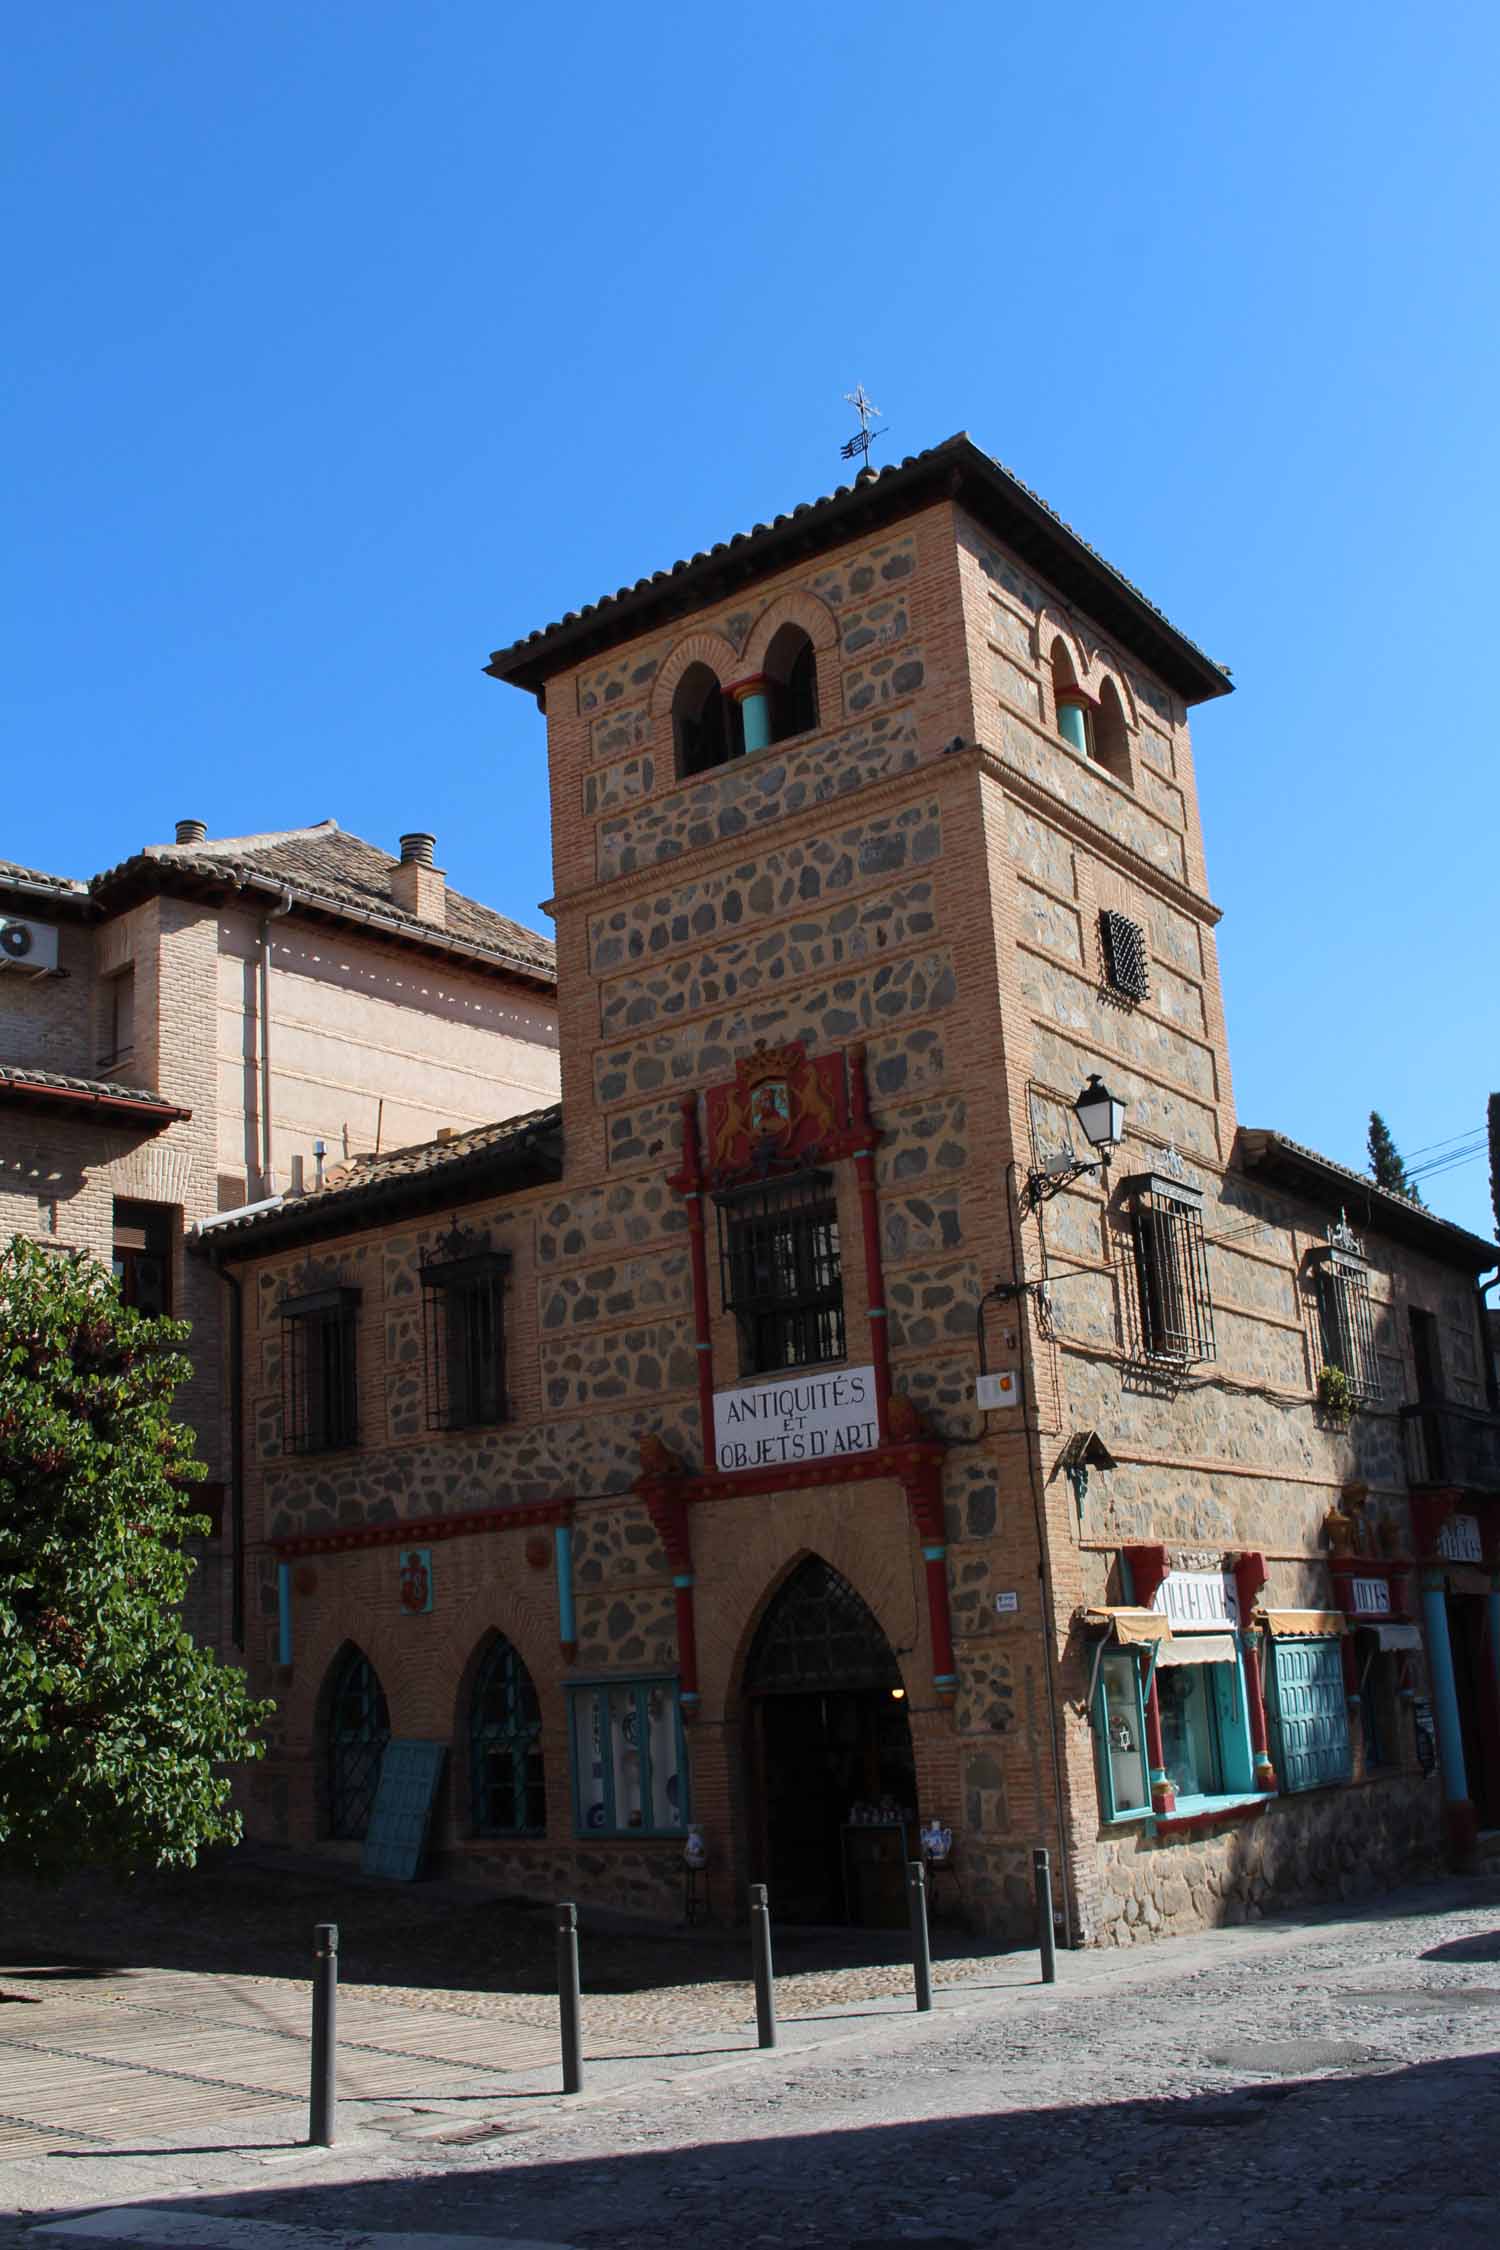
(1233, 1455)
(1330, 1844)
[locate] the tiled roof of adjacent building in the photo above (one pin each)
(517, 1152)
(331, 872)
(96, 1093)
(1273, 1156)
(35, 883)
(958, 469)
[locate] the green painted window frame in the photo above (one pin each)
(590, 1700)
(1111, 1813)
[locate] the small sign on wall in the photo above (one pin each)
(1198, 1598)
(1000, 1389)
(1458, 1541)
(416, 1580)
(1371, 1597)
(1006, 1605)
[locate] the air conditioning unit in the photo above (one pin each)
(30, 947)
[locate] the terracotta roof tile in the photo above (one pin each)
(327, 868)
(467, 1159)
(816, 523)
(27, 1081)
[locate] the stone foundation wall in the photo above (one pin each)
(1330, 1844)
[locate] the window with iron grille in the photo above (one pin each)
(319, 1396)
(1174, 1305)
(1346, 1321)
(779, 1264)
(359, 1727)
(463, 1331)
(1126, 963)
(505, 1743)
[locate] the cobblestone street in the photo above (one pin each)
(1326, 2077)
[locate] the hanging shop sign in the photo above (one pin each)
(1195, 1599)
(797, 1418)
(1426, 1733)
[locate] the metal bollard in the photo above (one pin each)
(568, 1999)
(921, 1949)
(322, 2107)
(760, 1949)
(1046, 1935)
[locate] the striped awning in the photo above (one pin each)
(1129, 1626)
(1304, 1624)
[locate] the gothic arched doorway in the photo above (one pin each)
(828, 1736)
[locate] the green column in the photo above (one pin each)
(754, 700)
(1072, 726)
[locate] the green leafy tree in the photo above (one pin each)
(115, 1727)
(1385, 1160)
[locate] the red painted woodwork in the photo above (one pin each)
(689, 1184)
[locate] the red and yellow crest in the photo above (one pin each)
(783, 1106)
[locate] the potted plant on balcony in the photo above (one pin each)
(1335, 1398)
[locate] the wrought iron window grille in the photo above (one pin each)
(780, 1269)
(359, 1727)
(1346, 1323)
(463, 1330)
(505, 1744)
(1174, 1304)
(319, 1386)
(1127, 968)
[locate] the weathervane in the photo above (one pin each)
(866, 438)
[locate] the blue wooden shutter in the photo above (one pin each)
(1312, 1716)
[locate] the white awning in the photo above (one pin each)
(1397, 1636)
(1197, 1648)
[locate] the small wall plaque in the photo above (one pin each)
(416, 1580)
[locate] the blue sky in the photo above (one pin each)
(349, 342)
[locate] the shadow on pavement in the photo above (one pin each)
(1366, 2157)
(253, 1915)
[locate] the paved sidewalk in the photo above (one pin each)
(1381, 2022)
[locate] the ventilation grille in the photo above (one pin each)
(1126, 968)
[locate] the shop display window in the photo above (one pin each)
(629, 1758)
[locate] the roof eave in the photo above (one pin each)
(533, 1159)
(144, 876)
(956, 470)
(1271, 1156)
(119, 1109)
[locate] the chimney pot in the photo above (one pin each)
(418, 848)
(191, 831)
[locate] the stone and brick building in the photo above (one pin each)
(185, 1033)
(637, 1450)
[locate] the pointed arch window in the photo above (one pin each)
(359, 1727)
(505, 1747)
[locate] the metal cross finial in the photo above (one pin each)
(864, 408)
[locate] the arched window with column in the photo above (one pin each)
(356, 1731)
(506, 1776)
(792, 683)
(706, 730)
(1109, 744)
(1069, 700)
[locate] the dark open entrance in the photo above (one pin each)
(1479, 1717)
(828, 1737)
